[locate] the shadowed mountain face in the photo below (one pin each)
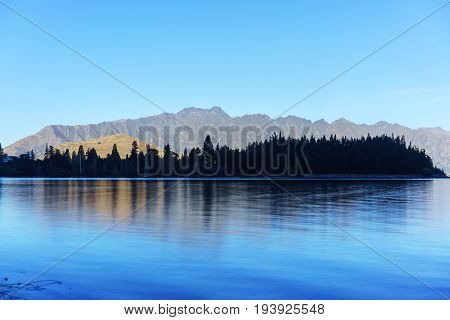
(190, 126)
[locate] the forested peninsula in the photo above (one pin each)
(277, 156)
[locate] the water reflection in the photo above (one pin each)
(213, 205)
(246, 239)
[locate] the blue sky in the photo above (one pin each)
(247, 57)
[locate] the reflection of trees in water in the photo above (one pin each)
(372, 204)
(192, 207)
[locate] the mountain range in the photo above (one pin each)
(235, 132)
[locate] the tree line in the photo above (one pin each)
(275, 156)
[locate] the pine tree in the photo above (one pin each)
(114, 162)
(46, 154)
(81, 154)
(207, 144)
(2, 154)
(67, 155)
(92, 162)
(208, 154)
(167, 161)
(115, 153)
(81, 157)
(134, 150)
(152, 161)
(133, 160)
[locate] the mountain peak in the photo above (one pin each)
(431, 139)
(341, 121)
(190, 109)
(382, 124)
(217, 109)
(320, 122)
(195, 110)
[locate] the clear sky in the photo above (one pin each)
(247, 57)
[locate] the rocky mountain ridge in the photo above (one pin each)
(188, 128)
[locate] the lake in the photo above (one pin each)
(224, 239)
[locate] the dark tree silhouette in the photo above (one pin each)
(132, 161)
(2, 154)
(113, 162)
(276, 156)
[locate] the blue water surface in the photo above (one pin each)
(194, 239)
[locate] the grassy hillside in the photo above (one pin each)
(104, 145)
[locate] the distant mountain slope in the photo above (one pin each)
(435, 141)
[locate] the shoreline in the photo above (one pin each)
(323, 177)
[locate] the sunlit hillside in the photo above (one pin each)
(104, 145)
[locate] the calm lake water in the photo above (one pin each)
(225, 239)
